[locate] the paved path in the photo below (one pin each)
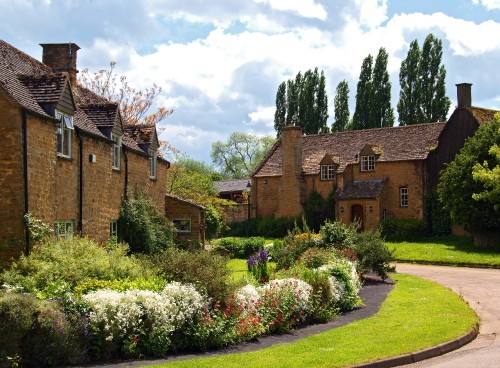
(481, 289)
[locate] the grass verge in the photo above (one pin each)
(445, 250)
(416, 315)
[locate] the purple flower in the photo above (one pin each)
(251, 261)
(262, 256)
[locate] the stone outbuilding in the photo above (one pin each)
(188, 218)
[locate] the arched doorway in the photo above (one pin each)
(357, 214)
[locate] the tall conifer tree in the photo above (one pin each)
(341, 105)
(362, 111)
(280, 113)
(409, 95)
(382, 113)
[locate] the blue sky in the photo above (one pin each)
(220, 62)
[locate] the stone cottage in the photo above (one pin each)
(375, 173)
(67, 155)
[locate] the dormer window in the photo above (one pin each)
(64, 133)
(368, 163)
(153, 157)
(117, 145)
(328, 172)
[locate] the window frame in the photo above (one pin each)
(175, 221)
(153, 164)
(327, 172)
(367, 163)
(63, 224)
(116, 157)
(64, 128)
(403, 197)
(113, 228)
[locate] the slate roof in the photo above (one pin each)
(231, 186)
(362, 189)
(30, 83)
(413, 142)
(186, 201)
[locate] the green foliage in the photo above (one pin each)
(242, 247)
(58, 267)
(239, 156)
(268, 227)
(382, 114)
(457, 184)
(436, 217)
(206, 271)
(315, 257)
(142, 225)
(213, 221)
(303, 101)
(373, 253)
(338, 235)
(38, 333)
(341, 106)
(361, 117)
(409, 95)
(258, 266)
(38, 230)
(403, 229)
(318, 209)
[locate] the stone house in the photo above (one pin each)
(188, 218)
(375, 173)
(67, 155)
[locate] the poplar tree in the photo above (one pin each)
(362, 111)
(341, 105)
(280, 113)
(382, 114)
(434, 103)
(409, 95)
(321, 104)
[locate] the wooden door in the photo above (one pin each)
(357, 215)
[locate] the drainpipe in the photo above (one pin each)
(125, 187)
(80, 182)
(24, 128)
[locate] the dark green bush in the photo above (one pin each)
(373, 254)
(403, 229)
(318, 209)
(437, 218)
(143, 226)
(213, 221)
(268, 227)
(205, 270)
(242, 247)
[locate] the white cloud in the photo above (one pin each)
(263, 115)
(372, 13)
(488, 4)
(304, 8)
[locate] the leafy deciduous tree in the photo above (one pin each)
(341, 105)
(280, 114)
(382, 114)
(361, 117)
(409, 95)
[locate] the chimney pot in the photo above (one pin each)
(464, 95)
(61, 57)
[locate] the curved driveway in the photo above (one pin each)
(481, 289)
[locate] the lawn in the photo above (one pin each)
(444, 250)
(239, 268)
(416, 315)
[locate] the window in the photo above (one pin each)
(182, 225)
(152, 164)
(403, 197)
(63, 131)
(368, 163)
(113, 228)
(63, 229)
(327, 172)
(117, 145)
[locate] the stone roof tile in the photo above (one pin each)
(359, 189)
(231, 186)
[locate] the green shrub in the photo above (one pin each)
(206, 271)
(143, 226)
(315, 257)
(338, 235)
(403, 229)
(213, 221)
(373, 254)
(268, 227)
(55, 268)
(437, 218)
(242, 247)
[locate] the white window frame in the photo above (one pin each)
(180, 223)
(368, 163)
(63, 229)
(117, 145)
(403, 197)
(327, 172)
(113, 228)
(64, 133)
(153, 167)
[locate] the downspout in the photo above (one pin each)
(80, 182)
(24, 128)
(125, 186)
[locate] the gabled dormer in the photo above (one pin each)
(368, 156)
(328, 167)
(146, 137)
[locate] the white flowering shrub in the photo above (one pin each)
(347, 284)
(248, 298)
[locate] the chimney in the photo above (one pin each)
(61, 57)
(289, 191)
(464, 98)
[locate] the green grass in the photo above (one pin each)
(240, 269)
(416, 315)
(445, 250)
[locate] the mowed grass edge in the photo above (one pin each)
(416, 315)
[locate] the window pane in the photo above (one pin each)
(68, 122)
